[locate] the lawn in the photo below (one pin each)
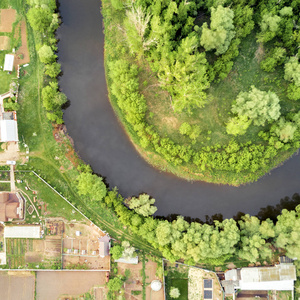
(177, 277)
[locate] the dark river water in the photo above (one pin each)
(101, 141)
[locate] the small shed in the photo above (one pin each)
(9, 62)
(104, 245)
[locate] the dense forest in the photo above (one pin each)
(208, 90)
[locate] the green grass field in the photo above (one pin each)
(177, 277)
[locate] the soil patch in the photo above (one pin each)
(259, 52)
(4, 42)
(22, 54)
(7, 18)
(51, 285)
(17, 285)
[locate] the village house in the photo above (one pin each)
(281, 277)
(11, 206)
(104, 246)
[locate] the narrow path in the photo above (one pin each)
(12, 179)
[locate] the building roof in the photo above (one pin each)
(9, 203)
(104, 246)
(25, 232)
(8, 62)
(9, 131)
(280, 278)
(131, 261)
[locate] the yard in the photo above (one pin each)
(177, 276)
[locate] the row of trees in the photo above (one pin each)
(249, 238)
(44, 20)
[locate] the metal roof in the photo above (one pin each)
(9, 131)
(9, 62)
(25, 232)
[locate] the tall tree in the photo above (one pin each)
(221, 30)
(257, 105)
(91, 185)
(143, 205)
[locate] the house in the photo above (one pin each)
(278, 278)
(104, 246)
(9, 62)
(23, 232)
(11, 206)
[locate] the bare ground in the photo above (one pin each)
(23, 50)
(17, 285)
(52, 284)
(7, 17)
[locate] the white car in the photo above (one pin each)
(10, 162)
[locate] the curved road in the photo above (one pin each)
(101, 141)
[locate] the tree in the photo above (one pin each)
(238, 125)
(269, 27)
(52, 98)
(46, 54)
(53, 70)
(91, 185)
(253, 241)
(284, 130)
(115, 284)
(221, 32)
(292, 70)
(274, 58)
(116, 252)
(287, 230)
(129, 251)
(259, 106)
(174, 292)
(185, 128)
(39, 18)
(143, 205)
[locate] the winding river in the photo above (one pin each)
(101, 141)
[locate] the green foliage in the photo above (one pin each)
(274, 58)
(284, 130)
(174, 292)
(39, 18)
(258, 106)
(221, 32)
(115, 284)
(116, 252)
(128, 251)
(92, 186)
(53, 70)
(269, 27)
(238, 125)
(185, 128)
(286, 11)
(288, 232)
(10, 105)
(143, 205)
(292, 71)
(46, 54)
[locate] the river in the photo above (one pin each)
(101, 141)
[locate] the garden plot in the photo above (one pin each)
(4, 42)
(22, 54)
(7, 18)
(32, 253)
(81, 247)
(203, 284)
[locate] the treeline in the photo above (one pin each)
(249, 238)
(43, 18)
